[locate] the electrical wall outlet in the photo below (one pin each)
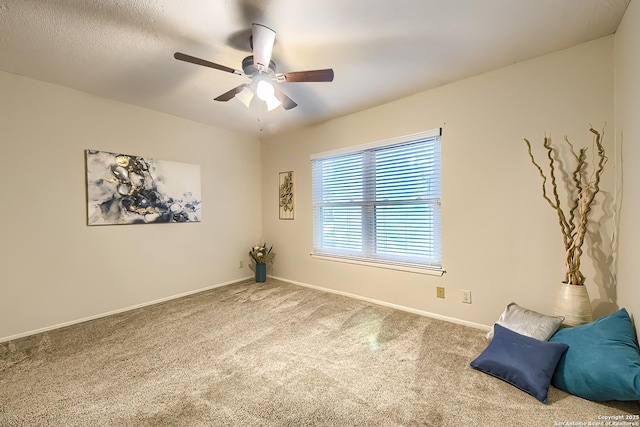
(440, 291)
(241, 264)
(466, 296)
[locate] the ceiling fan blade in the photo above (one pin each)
(230, 94)
(325, 75)
(262, 40)
(192, 59)
(287, 103)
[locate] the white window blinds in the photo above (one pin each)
(380, 202)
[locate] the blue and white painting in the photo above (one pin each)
(126, 189)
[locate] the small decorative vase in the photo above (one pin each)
(261, 272)
(574, 304)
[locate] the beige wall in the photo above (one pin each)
(55, 269)
(500, 239)
(627, 110)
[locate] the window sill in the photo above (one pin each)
(405, 268)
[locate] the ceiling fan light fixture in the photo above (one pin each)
(272, 103)
(245, 96)
(267, 93)
(265, 90)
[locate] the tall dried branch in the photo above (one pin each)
(582, 189)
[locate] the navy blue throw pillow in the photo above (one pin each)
(522, 361)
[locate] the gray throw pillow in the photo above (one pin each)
(528, 322)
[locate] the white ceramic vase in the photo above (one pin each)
(574, 304)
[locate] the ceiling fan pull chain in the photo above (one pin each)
(260, 107)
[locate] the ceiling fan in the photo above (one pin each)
(262, 71)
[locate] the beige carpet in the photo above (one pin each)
(271, 354)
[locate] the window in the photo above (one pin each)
(380, 202)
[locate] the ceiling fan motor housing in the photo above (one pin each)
(250, 69)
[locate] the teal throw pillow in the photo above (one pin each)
(603, 360)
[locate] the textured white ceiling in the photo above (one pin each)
(380, 50)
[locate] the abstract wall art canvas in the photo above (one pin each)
(126, 189)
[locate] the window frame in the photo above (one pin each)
(431, 268)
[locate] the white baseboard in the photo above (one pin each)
(120, 310)
(184, 294)
(388, 304)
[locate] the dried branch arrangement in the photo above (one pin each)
(582, 187)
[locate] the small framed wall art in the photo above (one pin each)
(286, 195)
